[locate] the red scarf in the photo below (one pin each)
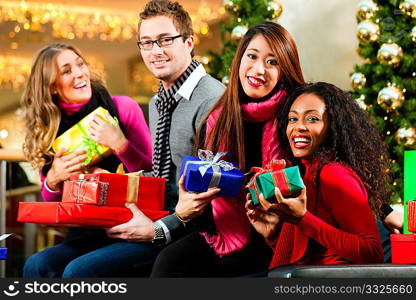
(266, 112)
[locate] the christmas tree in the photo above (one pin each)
(243, 15)
(385, 84)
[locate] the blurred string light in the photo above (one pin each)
(69, 21)
(77, 22)
(204, 15)
(14, 70)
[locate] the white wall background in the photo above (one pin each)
(324, 31)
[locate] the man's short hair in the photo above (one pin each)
(174, 10)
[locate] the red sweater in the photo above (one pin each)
(338, 227)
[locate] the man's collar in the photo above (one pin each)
(185, 91)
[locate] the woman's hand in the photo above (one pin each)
(290, 210)
(394, 222)
(64, 166)
(191, 205)
(106, 134)
(266, 223)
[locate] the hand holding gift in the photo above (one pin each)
(77, 137)
(265, 222)
(107, 134)
(289, 210)
(63, 166)
(191, 205)
(138, 229)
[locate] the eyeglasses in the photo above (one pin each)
(162, 42)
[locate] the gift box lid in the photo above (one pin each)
(403, 237)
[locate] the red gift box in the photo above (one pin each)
(403, 248)
(79, 214)
(411, 215)
(115, 190)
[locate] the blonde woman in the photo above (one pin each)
(60, 92)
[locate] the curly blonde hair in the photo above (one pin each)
(42, 115)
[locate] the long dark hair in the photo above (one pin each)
(228, 129)
(352, 139)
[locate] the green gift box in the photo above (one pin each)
(287, 180)
(409, 183)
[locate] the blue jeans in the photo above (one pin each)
(74, 260)
(385, 240)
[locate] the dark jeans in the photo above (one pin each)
(88, 258)
(385, 240)
(191, 256)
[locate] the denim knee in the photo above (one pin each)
(78, 269)
(38, 266)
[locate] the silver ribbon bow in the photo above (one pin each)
(208, 160)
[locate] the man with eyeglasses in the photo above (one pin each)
(186, 93)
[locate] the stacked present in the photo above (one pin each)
(403, 246)
(99, 200)
(411, 215)
(3, 250)
(409, 187)
(209, 171)
(264, 181)
(76, 138)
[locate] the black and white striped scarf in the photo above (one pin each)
(166, 104)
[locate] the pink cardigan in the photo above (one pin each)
(138, 153)
(232, 224)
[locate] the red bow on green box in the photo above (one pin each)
(288, 180)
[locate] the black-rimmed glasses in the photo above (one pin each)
(162, 42)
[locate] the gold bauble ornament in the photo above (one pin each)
(413, 34)
(390, 98)
(276, 7)
(361, 103)
(230, 5)
(225, 80)
(366, 10)
(406, 136)
(238, 32)
(368, 32)
(358, 81)
(408, 7)
(390, 54)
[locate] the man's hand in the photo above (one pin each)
(138, 229)
(191, 205)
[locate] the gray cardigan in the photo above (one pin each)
(185, 121)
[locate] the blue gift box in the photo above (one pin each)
(3, 253)
(201, 174)
(3, 250)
